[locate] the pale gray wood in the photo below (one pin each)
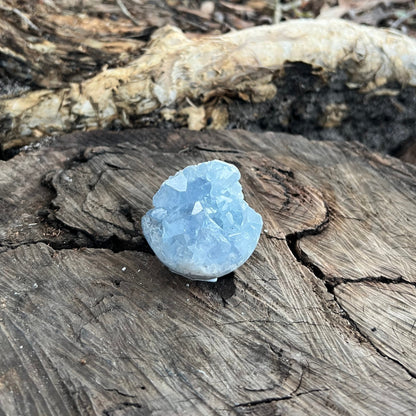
(386, 313)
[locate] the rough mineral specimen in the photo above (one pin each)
(200, 226)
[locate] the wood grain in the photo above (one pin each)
(107, 330)
(392, 325)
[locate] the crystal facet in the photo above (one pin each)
(200, 226)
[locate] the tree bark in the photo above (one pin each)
(318, 321)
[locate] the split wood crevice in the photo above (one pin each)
(304, 326)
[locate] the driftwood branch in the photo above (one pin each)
(175, 68)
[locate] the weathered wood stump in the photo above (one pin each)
(320, 320)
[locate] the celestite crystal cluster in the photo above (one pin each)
(200, 226)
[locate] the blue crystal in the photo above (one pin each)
(200, 226)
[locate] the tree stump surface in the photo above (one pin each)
(320, 320)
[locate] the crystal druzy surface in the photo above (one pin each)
(200, 226)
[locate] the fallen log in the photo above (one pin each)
(323, 78)
(319, 320)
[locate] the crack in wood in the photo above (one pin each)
(121, 393)
(330, 283)
(113, 244)
(277, 399)
(372, 279)
(354, 325)
(114, 409)
(216, 150)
